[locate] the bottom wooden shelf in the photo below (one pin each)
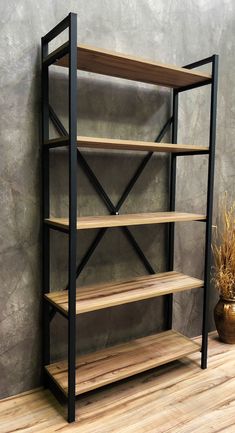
(118, 362)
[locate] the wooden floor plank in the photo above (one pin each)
(94, 222)
(109, 295)
(175, 398)
(124, 360)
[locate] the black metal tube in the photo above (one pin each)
(45, 203)
(57, 228)
(133, 180)
(172, 193)
(55, 389)
(59, 28)
(142, 166)
(94, 181)
(90, 251)
(84, 165)
(210, 189)
(195, 152)
(164, 130)
(57, 123)
(138, 250)
(54, 308)
(198, 63)
(54, 145)
(194, 86)
(72, 214)
(56, 54)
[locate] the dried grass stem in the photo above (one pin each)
(224, 251)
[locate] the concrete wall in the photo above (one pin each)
(173, 32)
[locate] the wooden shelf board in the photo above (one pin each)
(115, 144)
(101, 296)
(93, 222)
(114, 64)
(110, 143)
(118, 362)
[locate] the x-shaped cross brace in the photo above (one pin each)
(114, 210)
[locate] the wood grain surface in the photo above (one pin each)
(114, 64)
(100, 296)
(116, 144)
(176, 398)
(93, 222)
(124, 360)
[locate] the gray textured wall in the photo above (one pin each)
(175, 32)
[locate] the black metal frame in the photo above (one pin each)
(70, 48)
(75, 156)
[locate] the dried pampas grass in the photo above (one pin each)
(224, 251)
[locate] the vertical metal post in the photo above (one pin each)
(209, 213)
(171, 229)
(72, 214)
(45, 201)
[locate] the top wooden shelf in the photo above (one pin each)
(106, 62)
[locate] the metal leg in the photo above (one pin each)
(210, 188)
(172, 189)
(72, 214)
(45, 206)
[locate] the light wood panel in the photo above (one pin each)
(108, 295)
(118, 362)
(115, 144)
(108, 143)
(176, 398)
(93, 222)
(107, 62)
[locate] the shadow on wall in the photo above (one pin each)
(112, 105)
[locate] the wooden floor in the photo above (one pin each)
(178, 398)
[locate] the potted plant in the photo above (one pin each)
(224, 273)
